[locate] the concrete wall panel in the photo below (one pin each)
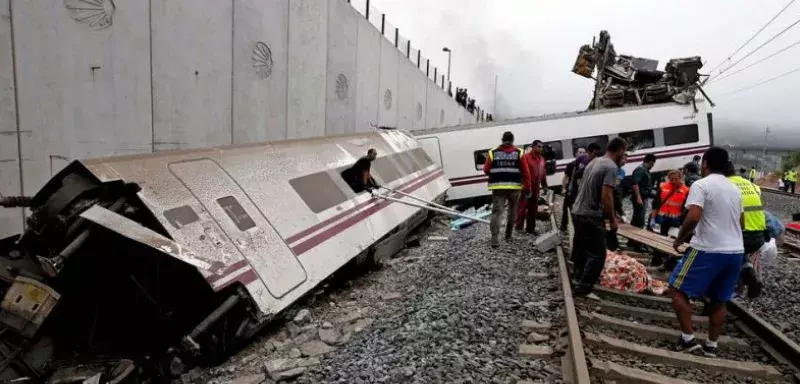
(406, 81)
(388, 94)
(192, 62)
(260, 54)
(367, 80)
(83, 83)
(420, 97)
(10, 219)
(434, 105)
(308, 34)
(340, 103)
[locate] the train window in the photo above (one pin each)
(235, 211)
(421, 158)
(639, 139)
(557, 148)
(386, 169)
(181, 216)
(583, 142)
(480, 158)
(682, 134)
(318, 191)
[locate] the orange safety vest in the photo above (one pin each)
(672, 202)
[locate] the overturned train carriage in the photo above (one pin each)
(161, 262)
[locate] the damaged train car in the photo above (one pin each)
(144, 266)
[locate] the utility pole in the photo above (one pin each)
(494, 109)
(764, 154)
(449, 57)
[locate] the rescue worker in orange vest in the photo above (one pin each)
(668, 210)
(508, 177)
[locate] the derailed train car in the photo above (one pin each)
(144, 266)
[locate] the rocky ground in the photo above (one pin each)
(448, 311)
(780, 205)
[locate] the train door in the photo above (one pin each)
(243, 224)
(431, 147)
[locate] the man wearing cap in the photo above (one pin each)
(508, 177)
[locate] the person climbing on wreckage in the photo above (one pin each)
(358, 176)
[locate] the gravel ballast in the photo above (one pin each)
(448, 311)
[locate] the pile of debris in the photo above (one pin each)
(623, 80)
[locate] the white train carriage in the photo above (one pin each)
(236, 233)
(673, 132)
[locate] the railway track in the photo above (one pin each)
(779, 192)
(623, 337)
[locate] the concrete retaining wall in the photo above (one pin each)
(127, 77)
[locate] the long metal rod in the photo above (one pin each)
(418, 199)
(453, 213)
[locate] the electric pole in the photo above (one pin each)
(764, 154)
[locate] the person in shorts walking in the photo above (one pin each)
(710, 267)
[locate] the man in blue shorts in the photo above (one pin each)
(710, 268)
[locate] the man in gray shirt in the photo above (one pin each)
(594, 203)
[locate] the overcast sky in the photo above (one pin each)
(531, 45)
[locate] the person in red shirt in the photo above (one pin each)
(529, 204)
(508, 178)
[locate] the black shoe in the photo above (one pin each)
(688, 346)
(709, 351)
(754, 289)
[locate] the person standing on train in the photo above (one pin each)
(754, 232)
(642, 186)
(526, 213)
(573, 173)
(711, 265)
(508, 177)
(593, 205)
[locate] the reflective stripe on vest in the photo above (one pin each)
(673, 207)
(754, 219)
(505, 169)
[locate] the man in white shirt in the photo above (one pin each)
(710, 268)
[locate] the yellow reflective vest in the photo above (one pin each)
(754, 219)
(753, 174)
(505, 171)
(791, 175)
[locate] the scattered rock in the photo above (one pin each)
(249, 379)
(535, 351)
(391, 296)
(294, 353)
(438, 238)
(345, 338)
(315, 348)
(362, 323)
(329, 335)
(537, 275)
(532, 304)
(290, 374)
(349, 318)
(303, 317)
(534, 338)
(327, 325)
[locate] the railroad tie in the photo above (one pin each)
(750, 369)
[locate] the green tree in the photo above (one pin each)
(791, 161)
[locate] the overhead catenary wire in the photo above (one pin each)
(763, 82)
(756, 49)
(754, 35)
(758, 62)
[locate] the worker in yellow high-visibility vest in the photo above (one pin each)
(508, 178)
(753, 174)
(790, 179)
(753, 230)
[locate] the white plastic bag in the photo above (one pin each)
(768, 251)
